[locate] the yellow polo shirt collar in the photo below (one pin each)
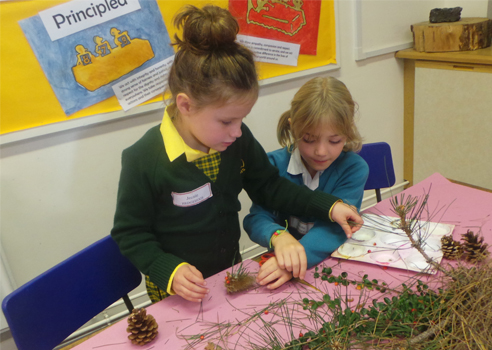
(174, 143)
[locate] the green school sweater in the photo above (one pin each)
(157, 235)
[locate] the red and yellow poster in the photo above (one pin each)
(22, 74)
(293, 21)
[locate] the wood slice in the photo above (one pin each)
(470, 33)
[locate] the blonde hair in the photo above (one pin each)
(320, 101)
(209, 65)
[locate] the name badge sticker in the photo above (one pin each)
(191, 198)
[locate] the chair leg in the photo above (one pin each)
(128, 303)
(378, 195)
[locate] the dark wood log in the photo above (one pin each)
(470, 33)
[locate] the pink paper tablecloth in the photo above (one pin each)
(238, 321)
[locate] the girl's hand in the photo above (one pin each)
(270, 271)
(188, 283)
(290, 254)
(343, 213)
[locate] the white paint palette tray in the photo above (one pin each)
(380, 242)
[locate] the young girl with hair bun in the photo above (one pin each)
(177, 207)
(319, 137)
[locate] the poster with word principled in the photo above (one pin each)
(36, 70)
(86, 47)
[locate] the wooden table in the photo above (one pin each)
(239, 320)
(448, 115)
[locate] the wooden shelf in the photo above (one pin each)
(482, 56)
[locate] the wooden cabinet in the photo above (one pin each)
(448, 115)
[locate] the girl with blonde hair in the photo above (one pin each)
(320, 139)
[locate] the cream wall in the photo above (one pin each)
(58, 191)
(453, 107)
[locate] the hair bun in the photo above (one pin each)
(208, 29)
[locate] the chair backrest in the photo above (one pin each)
(381, 171)
(46, 310)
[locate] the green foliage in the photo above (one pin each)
(402, 313)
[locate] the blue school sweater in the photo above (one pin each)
(344, 178)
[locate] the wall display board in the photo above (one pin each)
(52, 83)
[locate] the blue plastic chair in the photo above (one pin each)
(381, 171)
(46, 310)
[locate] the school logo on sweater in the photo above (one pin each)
(194, 197)
(302, 227)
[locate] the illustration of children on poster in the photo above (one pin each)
(82, 66)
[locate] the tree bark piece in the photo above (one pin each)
(470, 33)
(440, 15)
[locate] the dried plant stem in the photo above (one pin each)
(428, 333)
(407, 228)
(418, 246)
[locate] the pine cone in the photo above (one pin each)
(142, 327)
(451, 249)
(474, 248)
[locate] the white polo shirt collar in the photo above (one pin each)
(297, 167)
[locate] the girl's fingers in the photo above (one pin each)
(299, 263)
(188, 283)
(347, 229)
(342, 213)
(287, 263)
(280, 281)
(195, 276)
(267, 276)
(268, 271)
(194, 297)
(191, 291)
(280, 260)
(195, 288)
(303, 265)
(296, 265)
(268, 267)
(271, 274)
(191, 296)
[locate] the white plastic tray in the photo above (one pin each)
(380, 242)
